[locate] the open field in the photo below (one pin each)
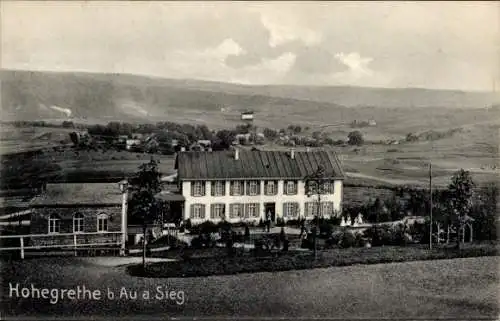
(454, 289)
(95, 98)
(371, 169)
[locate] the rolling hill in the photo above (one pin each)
(96, 98)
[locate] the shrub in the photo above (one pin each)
(348, 240)
(379, 235)
(196, 242)
(207, 227)
(187, 224)
(335, 221)
(247, 233)
(325, 229)
(334, 239)
(355, 138)
(293, 222)
(280, 221)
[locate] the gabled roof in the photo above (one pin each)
(79, 194)
(256, 165)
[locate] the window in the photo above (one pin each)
(217, 211)
(290, 210)
(253, 188)
(78, 223)
(54, 224)
(236, 211)
(290, 187)
(271, 188)
(197, 211)
(326, 208)
(311, 209)
(252, 210)
(102, 223)
(218, 188)
(198, 189)
(237, 188)
(312, 187)
(328, 187)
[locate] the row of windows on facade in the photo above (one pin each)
(218, 188)
(252, 210)
(55, 223)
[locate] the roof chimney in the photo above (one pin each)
(292, 153)
(236, 154)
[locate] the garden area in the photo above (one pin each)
(296, 260)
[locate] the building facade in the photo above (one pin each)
(85, 214)
(257, 185)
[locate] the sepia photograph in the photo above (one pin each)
(249, 160)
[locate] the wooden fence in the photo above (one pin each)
(62, 241)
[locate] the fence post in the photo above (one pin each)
(22, 247)
(74, 243)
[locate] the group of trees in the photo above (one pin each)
(459, 204)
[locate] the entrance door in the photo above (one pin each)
(270, 211)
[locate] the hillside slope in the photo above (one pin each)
(33, 95)
(98, 98)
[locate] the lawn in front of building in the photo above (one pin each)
(205, 263)
(451, 289)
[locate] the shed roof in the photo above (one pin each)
(256, 164)
(78, 194)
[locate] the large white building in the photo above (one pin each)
(253, 185)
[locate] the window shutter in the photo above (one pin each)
(223, 215)
(203, 186)
(285, 214)
(257, 210)
(191, 209)
(192, 189)
(212, 210)
(212, 188)
(202, 211)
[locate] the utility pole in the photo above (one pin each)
(430, 198)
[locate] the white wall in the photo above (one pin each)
(279, 199)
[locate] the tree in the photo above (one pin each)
(270, 133)
(144, 186)
(74, 138)
(461, 192)
(355, 138)
(484, 213)
(294, 129)
(410, 137)
(316, 135)
(204, 132)
(226, 136)
(315, 185)
(68, 124)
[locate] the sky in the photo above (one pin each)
(439, 45)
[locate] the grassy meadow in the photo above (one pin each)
(448, 289)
